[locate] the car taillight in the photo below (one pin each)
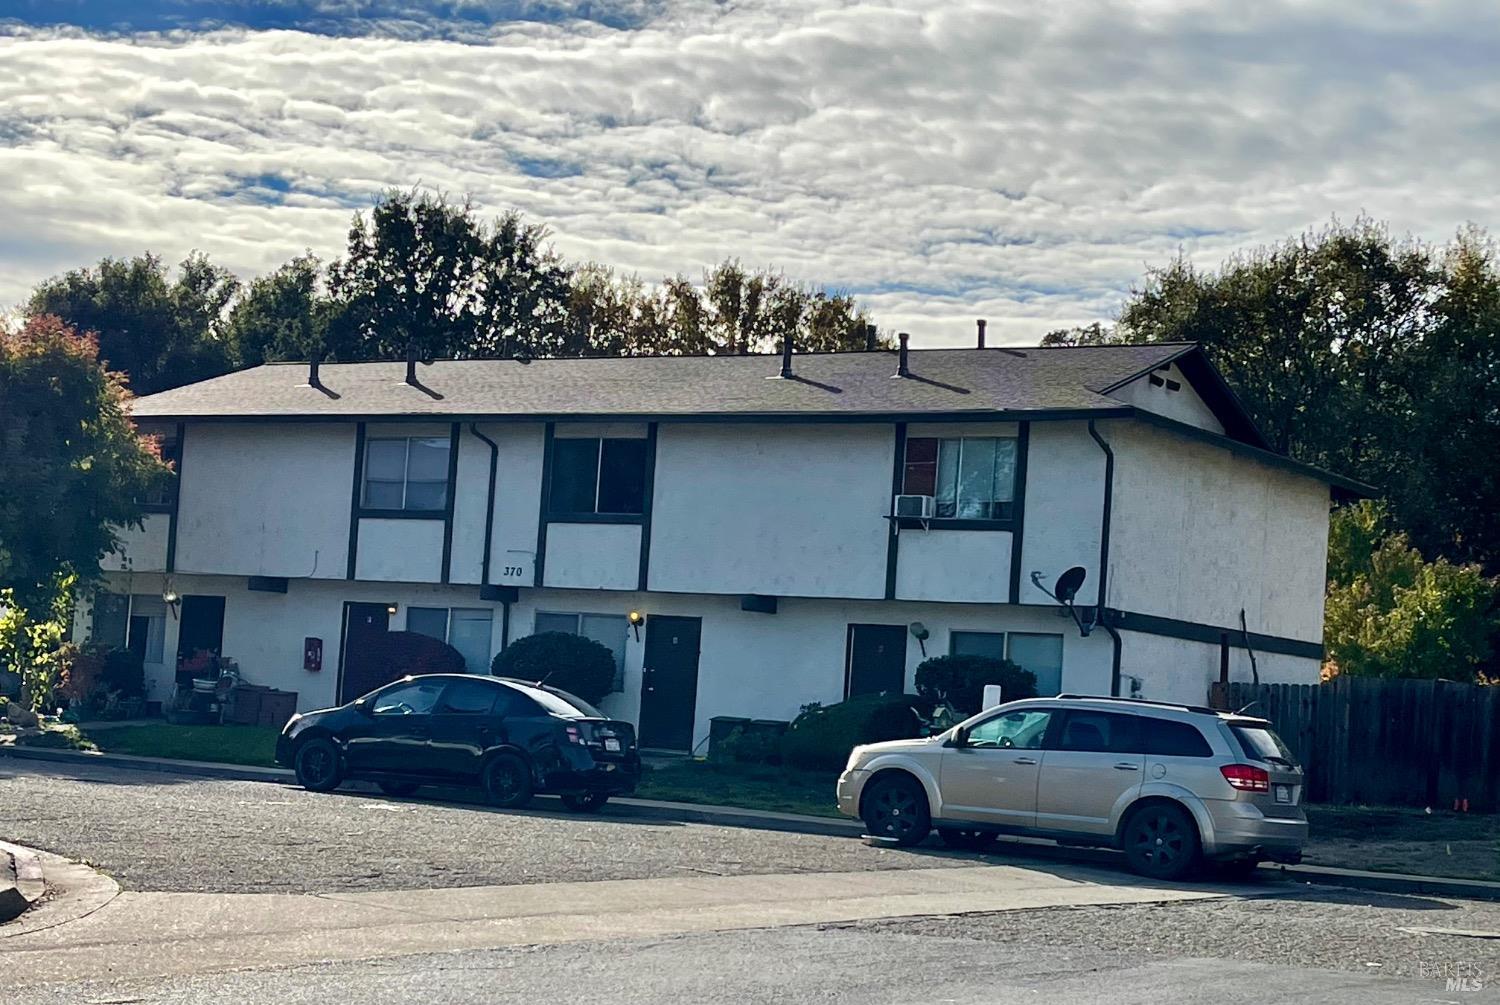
(574, 736)
(1246, 777)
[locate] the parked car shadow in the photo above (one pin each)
(1107, 866)
(545, 806)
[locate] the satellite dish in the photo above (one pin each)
(1068, 584)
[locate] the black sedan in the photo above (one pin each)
(510, 737)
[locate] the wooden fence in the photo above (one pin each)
(1399, 742)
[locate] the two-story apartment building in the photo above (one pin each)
(725, 524)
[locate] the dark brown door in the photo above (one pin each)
(362, 663)
(201, 630)
(669, 682)
(877, 660)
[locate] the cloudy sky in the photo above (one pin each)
(1023, 161)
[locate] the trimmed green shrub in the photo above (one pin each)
(961, 680)
(571, 662)
(412, 653)
(748, 746)
(821, 737)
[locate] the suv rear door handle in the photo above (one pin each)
(1127, 766)
(1025, 760)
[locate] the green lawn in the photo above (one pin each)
(754, 787)
(252, 745)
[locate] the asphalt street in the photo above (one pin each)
(897, 962)
(152, 831)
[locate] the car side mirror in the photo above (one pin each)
(363, 706)
(960, 738)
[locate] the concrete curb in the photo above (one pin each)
(731, 816)
(206, 769)
(21, 882)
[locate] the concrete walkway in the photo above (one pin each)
(157, 935)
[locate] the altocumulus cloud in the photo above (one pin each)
(1020, 161)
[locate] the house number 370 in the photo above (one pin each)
(513, 570)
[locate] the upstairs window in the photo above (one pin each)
(970, 477)
(161, 497)
(407, 473)
(598, 476)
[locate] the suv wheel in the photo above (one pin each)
(895, 808)
(967, 840)
(318, 765)
(507, 781)
(1161, 841)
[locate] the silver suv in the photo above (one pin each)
(1170, 785)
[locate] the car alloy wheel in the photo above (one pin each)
(317, 765)
(1161, 842)
(896, 810)
(507, 781)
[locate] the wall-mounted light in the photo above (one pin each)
(636, 620)
(391, 609)
(171, 598)
(921, 634)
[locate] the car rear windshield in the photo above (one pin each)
(1262, 743)
(559, 702)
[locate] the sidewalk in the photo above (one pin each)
(21, 883)
(731, 816)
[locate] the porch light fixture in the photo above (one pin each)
(636, 620)
(921, 634)
(391, 609)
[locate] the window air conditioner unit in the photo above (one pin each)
(913, 507)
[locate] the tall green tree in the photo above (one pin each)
(72, 470)
(422, 272)
(157, 329)
(1391, 613)
(280, 316)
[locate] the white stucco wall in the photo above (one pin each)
(143, 548)
(1064, 508)
(1180, 670)
(793, 511)
(953, 565)
(471, 493)
(1183, 405)
(400, 551)
(1199, 533)
(266, 499)
(518, 500)
(593, 556)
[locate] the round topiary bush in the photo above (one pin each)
(961, 679)
(821, 737)
(570, 662)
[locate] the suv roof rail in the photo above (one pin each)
(1142, 701)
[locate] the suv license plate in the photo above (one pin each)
(1283, 793)
(613, 745)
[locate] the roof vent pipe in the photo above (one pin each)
(870, 338)
(312, 372)
(786, 355)
(411, 363)
(902, 370)
(980, 323)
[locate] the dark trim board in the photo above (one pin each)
(1193, 631)
(893, 540)
(400, 514)
(171, 557)
(1018, 519)
(646, 506)
(539, 562)
(618, 518)
(778, 418)
(451, 500)
(354, 499)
